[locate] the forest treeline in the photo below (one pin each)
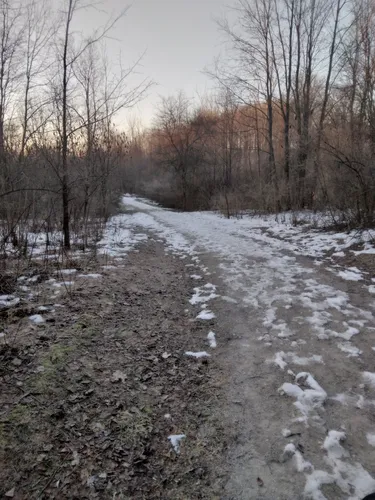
(60, 153)
(289, 126)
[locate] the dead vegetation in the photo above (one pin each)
(90, 396)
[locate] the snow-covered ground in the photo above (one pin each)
(301, 345)
(289, 313)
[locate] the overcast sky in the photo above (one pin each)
(179, 37)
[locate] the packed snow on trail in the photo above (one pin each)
(291, 312)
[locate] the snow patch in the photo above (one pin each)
(211, 337)
(283, 358)
(308, 399)
(90, 275)
(369, 378)
(301, 464)
(200, 354)
(36, 318)
(206, 314)
(203, 294)
(371, 438)
(175, 440)
(8, 301)
(349, 349)
(351, 274)
(66, 271)
(351, 478)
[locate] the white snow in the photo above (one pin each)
(66, 271)
(352, 274)
(333, 446)
(90, 275)
(371, 438)
(283, 358)
(203, 294)
(200, 354)
(307, 399)
(349, 348)
(351, 478)
(286, 432)
(229, 299)
(206, 314)
(43, 308)
(196, 276)
(211, 337)
(63, 283)
(369, 378)
(36, 318)
(301, 464)
(259, 265)
(8, 301)
(175, 440)
(279, 360)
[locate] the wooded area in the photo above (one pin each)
(291, 125)
(60, 153)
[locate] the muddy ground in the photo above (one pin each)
(89, 397)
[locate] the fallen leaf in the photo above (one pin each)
(10, 493)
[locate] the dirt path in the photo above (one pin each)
(90, 396)
(298, 343)
(281, 409)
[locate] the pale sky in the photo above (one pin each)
(179, 37)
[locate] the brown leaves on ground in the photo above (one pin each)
(89, 400)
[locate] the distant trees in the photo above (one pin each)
(293, 123)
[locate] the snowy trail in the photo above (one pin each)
(298, 339)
